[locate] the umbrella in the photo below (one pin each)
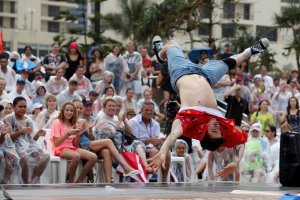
(26, 65)
(194, 54)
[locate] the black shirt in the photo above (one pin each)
(235, 109)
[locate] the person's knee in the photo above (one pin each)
(105, 153)
(92, 157)
(75, 157)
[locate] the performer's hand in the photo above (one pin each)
(227, 170)
(158, 161)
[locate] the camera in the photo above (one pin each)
(172, 109)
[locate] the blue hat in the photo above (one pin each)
(21, 81)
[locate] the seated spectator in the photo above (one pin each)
(103, 148)
(107, 92)
(65, 136)
(24, 136)
(46, 117)
(107, 80)
(254, 163)
(84, 85)
(38, 79)
(69, 94)
(130, 114)
(20, 92)
(222, 164)
(147, 130)
(57, 83)
(181, 150)
(3, 93)
(35, 110)
(129, 102)
(40, 94)
(8, 108)
(28, 85)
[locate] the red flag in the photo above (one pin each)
(1, 42)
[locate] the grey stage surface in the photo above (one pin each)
(122, 191)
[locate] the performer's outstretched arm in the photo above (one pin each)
(160, 159)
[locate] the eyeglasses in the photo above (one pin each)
(267, 130)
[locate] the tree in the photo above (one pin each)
(290, 20)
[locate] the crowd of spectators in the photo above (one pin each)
(90, 106)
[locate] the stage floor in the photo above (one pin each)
(155, 191)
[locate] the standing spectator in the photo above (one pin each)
(291, 116)
(7, 73)
(116, 64)
(74, 59)
(268, 80)
(281, 98)
(147, 130)
(65, 135)
(96, 67)
(57, 83)
(69, 94)
(24, 136)
(155, 70)
(258, 95)
(28, 56)
(3, 93)
(20, 92)
(294, 75)
(226, 53)
(244, 72)
(54, 61)
(146, 60)
(84, 85)
(221, 86)
(263, 116)
(236, 105)
(134, 62)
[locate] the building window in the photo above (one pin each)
(53, 11)
(247, 11)
(203, 29)
(229, 10)
(267, 31)
(205, 13)
(53, 27)
(12, 22)
(290, 1)
(1, 6)
(12, 7)
(228, 30)
(1, 21)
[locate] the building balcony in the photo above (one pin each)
(61, 4)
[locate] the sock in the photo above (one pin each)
(248, 51)
(230, 62)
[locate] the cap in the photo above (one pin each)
(239, 78)
(94, 93)
(21, 81)
(227, 43)
(256, 126)
(87, 103)
(73, 81)
(131, 112)
(36, 105)
(38, 74)
(257, 76)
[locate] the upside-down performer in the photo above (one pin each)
(198, 117)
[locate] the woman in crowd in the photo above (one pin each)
(116, 64)
(259, 94)
(281, 98)
(24, 135)
(54, 61)
(96, 67)
(74, 58)
(7, 108)
(107, 80)
(28, 56)
(65, 135)
(181, 150)
(46, 117)
(292, 115)
(273, 175)
(129, 102)
(263, 116)
(103, 148)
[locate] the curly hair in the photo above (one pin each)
(61, 115)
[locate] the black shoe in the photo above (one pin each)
(157, 45)
(260, 46)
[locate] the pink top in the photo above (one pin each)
(59, 129)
